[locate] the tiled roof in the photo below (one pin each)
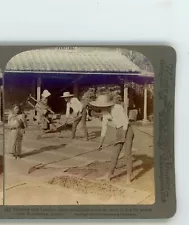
(77, 60)
(147, 73)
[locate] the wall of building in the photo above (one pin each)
(17, 88)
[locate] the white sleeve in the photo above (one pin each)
(67, 110)
(124, 118)
(104, 126)
(9, 117)
(80, 105)
(12, 121)
(77, 105)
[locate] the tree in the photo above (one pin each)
(88, 95)
(139, 59)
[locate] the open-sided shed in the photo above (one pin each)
(68, 69)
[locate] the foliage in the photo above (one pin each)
(139, 59)
(87, 95)
(136, 91)
(111, 90)
(135, 95)
(90, 94)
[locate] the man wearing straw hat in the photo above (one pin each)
(79, 113)
(114, 113)
(43, 111)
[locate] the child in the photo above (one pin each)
(17, 125)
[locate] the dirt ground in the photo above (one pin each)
(84, 180)
(77, 175)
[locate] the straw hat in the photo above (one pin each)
(67, 95)
(46, 94)
(102, 101)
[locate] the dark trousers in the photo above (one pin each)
(81, 118)
(127, 146)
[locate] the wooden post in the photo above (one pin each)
(34, 88)
(34, 93)
(38, 88)
(126, 100)
(145, 103)
(1, 104)
(76, 90)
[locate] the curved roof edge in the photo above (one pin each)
(77, 60)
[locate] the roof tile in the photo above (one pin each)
(71, 60)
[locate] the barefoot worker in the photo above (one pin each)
(113, 114)
(79, 113)
(17, 124)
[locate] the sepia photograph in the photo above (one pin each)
(79, 127)
(1, 139)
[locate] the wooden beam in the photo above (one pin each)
(78, 73)
(125, 97)
(145, 103)
(39, 81)
(34, 88)
(76, 90)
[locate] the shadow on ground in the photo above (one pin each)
(64, 127)
(97, 169)
(94, 135)
(147, 163)
(83, 179)
(43, 149)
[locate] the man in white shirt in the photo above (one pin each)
(44, 110)
(79, 113)
(113, 114)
